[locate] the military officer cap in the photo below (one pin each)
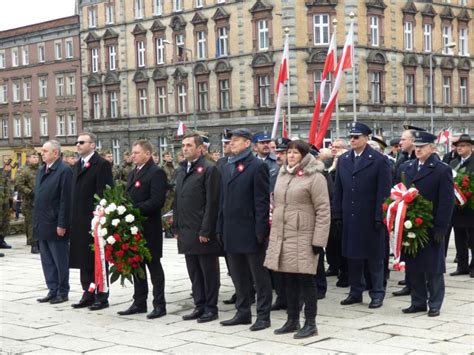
(205, 140)
(31, 152)
(68, 154)
(464, 138)
(423, 138)
(394, 142)
(313, 150)
(241, 132)
(380, 141)
(359, 129)
(413, 128)
(281, 144)
(226, 135)
(261, 136)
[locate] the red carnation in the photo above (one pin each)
(385, 207)
(125, 246)
(109, 247)
(137, 237)
(117, 237)
(468, 194)
(418, 221)
(137, 258)
(131, 260)
(120, 253)
(465, 183)
(133, 247)
(135, 265)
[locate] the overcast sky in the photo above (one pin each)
(18, 13)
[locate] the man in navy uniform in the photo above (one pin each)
(261, 141)
(434, 181)
(363, 180)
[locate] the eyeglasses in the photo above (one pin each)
(81, 142)
(355, 137)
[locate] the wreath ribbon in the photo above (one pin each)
(460, 198)
(100, 274)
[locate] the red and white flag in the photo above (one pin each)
(443, 137)
(329, 67)
(181, 129)
(345, 62)
(283, 76)
(284, 130)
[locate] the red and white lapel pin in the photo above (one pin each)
(200, 169)
(240, 167)
(300, 173)
(87, 165)
(137, 184)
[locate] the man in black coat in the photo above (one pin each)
(146, 186)
(195, 210)
(463, 218)
(91, 174)
(244, 226)
(51, 217)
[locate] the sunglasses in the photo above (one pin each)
(355, 137)
(81, 142)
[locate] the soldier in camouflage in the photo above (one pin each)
(6, 193)
(25, 185)
(107, 155)
(125, 168)
(69, 157)
(169, 169)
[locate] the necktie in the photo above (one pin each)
(46, 170)
(189, 167)
(82, 163)
(419, 166)
(356, 161)
(463, 161)
(135, 172)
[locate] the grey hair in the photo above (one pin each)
(55, 145)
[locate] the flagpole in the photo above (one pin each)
(287, 36)
(334, 23)
(354, 106)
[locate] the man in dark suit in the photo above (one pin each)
(453, 154)
(434, 181)
(91, 174)
(363, 181)
(147, 186)
(463, 218)
(243, 225)
(195, 210)
(51, 217)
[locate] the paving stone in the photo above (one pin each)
(72, 343)
(212, 338)
(145, 341)
(357, 347)
(122, 349)
(22, 332)
(52, 351)
(428, 345)
(10, 346)
(415, 333)
(271, 347)
(204, 349)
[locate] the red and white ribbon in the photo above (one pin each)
(396, 214)
(460, 198)
(100, 274)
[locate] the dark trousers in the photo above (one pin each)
(300, 286)
(87, 277)
(278, 282)
(334, 252)
(446, 241)
(464, 239)
(240, 267)
(357, 277)
(55, 262)
(157, 277)
(427, 287)
(320, 277)
(204, 273)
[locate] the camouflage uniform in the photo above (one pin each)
(125, 169)
(169, 170)
(6, 193)
(25, 185)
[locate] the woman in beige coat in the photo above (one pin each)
(300, 229)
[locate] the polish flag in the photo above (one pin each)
(345, 62)
(181, 129)
(284, 130)
(329, 67)
(443, 137)
(283, 76)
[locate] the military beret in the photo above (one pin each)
(241, 132)
(105, 151)
(31, 152)
(359, 129)
(261, 136)
(68, 154)
(423, 138)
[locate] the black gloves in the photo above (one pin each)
(317, 250)
(378, 225)
(438, 237)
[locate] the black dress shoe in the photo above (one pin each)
(459, 272)
(97, 306)
(207, 317)
(84, 302)
(414, 309)
(237, 320)
(351, 300)
(59, 299)
(34, 249)
(260, 324)
(342, 282)
(48, 298)
(403, 292)
(195, 314)
(321, 296)
(433, 312)
(292, 325)
(471, 273)
(402, 283)
(309, 329)
(2, 255)
(157, 313)
(133, 309)
(278, 305)
(4, 244)
(331, 272)
(376, 303)
(231, 300)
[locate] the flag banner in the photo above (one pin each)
(283, 76)
(181, 129)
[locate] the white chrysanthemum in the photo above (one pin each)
(115, 222)
(411, 235)
(408, 224)
(103, 202)
(102, 220)
(102, 232)
(129, 218)
(112, 207)
(111, 239)
(406, 244)
(121, 210)
(134, 230)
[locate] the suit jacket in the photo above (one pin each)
(463, 217)
(359, 193)
(86, 182)
(434, 182)
(147, 189)
(52, 201)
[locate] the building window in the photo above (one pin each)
(109, 14)
(463, 42)
(179, 40)
(72, 125)
(4, 128)
(95, 60)
(160, 51)
(69, 49)
(112, 57)
(25, 56)
(224, 94)
(409, 89)
(116, 151)
(374, 31)
(321, 29)
(463, 91)
(2, 59)
(142, 102)
(71, 85)
(27, 90)
(58, 50)
(161, 91)
(447, 39)
(201, 45)
(428, 92)
(17, 127)
(199, 3)
(27, 126)
(177, 5)
(92, 14)
(222, 42)
(61, 125)
(263, 35)
(41, 53)
(264, 90)
(138, 9)
(181, 98)
(16, 92)
(95, 106)
(15, 58)
(202, 96)
(157, 7)
(43, 87)
(140, 54)
(427, 34)
(408, 32)
(446, 90)
(221, 1)
(59, 86)
(113, 104)
(317, 78)
(375, 88)
(3, 94)
(44, 124)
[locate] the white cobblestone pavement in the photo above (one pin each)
(29, 327)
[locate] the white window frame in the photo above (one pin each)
(177, 5)
(44, 124)
(17, 126)
(41, 53)
(27, 90)
(2, 59)
(317, 79)
(410, 89)
(25, 55)
(463, 82)
(96, 106)
(157, 7)
(71, 85)
(447, 35)
(427, 37)
(43, 87)
(58, 50)
(15, 57)
(60, 86)
(71, 124)
(109, 14)
(160, 50)
(224, 94)
(182, 94)
(374, 31)
(141, 54)
(263, 34)
(5, 128)
(463, 41)
(95, 60)
(221, 1)
(113, 104)
(139, 10)
(264, 90)
(201, 44)
(116, 151)
(26, 126)
(162, 97)
(408, 35)
(3, 94)
(142, 102)
(223, 44)
(376, 87)
(60, 125)
(203, 92)
(428, 92)
(69, 48)
(446, 90)
(199, 3)
(92, 17)
(16, 92)
(321, 29)
(112, 57)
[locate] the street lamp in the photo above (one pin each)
(451, 45)
(192, 77)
